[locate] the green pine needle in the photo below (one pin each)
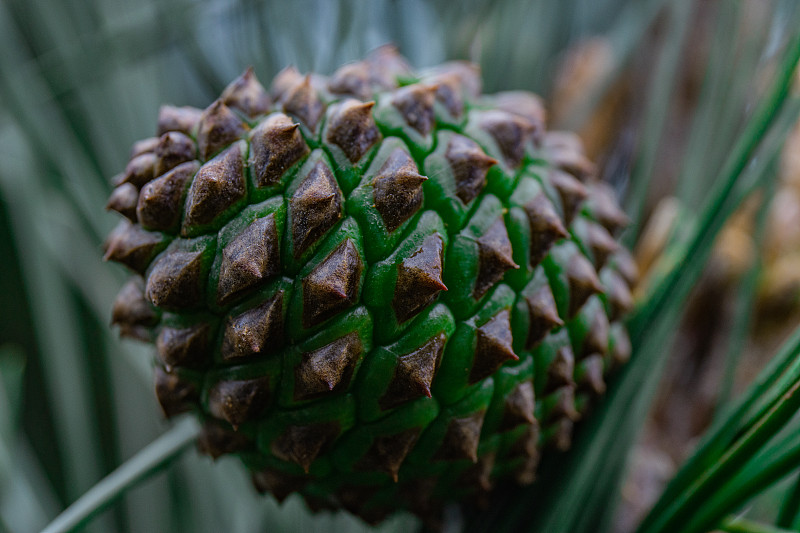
(151, 459)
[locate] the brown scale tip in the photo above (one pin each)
(470, 164)
(565, 151)
(132, 312)
(332, 286)
(144, 146)
(352, 128)
(596, 340)
(462, 438)
(619, 295)
(415, 103)
(525, 474)
(583, 282)
(160, 203)
(117, 179)
(132, 246)
(621, 352)
(528, 443)
(518, 407)
(493, 347)
(571, 191)
(448, 93)
(561, 435)
(255, 331)
(184, 347)
(328, 369)
(591, 378)
(246, 94)
(525, 104)
(218, 128)
(414, 374)
(494, 258)
(173, 149)
(560, 371)
(480, 474)
(545, 225)
(542, 315)
(140, 169)
(626, 266)
(215, 440)
(511, 133)
(601, 243)
(276, 144)
(397, 189)
(123, 200)
(603, 206)
(387, 453)
(302, 101)
(315, 207)
(526, 107)
(352, 79)
(182, 119)
(284, 80)
(175, 394)
(250, 258)
(176, 280)
(562, 404)
(239, 400)
(468, 74)
(303, 444)
(279, 484)
(386, 65)
(218, 185)
(419, 278)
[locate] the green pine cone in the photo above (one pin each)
(382, 289)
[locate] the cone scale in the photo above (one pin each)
(382, 290)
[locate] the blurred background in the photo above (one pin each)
(658, 90)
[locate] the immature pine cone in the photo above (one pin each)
(382, 289)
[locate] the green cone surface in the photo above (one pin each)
(382, 289)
